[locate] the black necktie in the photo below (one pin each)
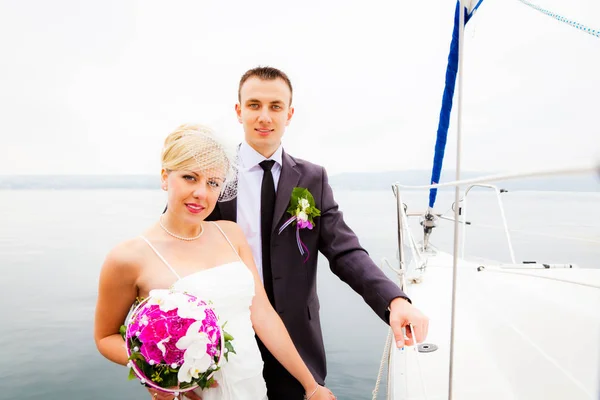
(267, 205)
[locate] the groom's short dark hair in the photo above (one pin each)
(266, 74)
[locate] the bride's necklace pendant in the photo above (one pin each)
(187, 239)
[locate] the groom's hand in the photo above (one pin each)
(402, 313)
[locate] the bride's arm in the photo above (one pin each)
(268, 325)
(116, 293)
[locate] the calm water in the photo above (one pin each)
(52, 244)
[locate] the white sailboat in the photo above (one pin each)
(498, 330)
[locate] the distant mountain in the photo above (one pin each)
(82, 182)
(345, 181)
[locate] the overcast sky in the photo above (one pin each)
(94, 87)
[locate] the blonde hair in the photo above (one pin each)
(195, 147)
(189, 142)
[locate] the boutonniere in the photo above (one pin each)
(303, 211)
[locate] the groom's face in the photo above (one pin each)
(264, 111)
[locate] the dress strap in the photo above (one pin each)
(228, 241)
(161, 257)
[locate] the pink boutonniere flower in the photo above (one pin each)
(303, 211)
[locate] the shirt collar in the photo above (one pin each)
(251, 158)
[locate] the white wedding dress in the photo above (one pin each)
(230, 287)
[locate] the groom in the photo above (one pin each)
(267, 177)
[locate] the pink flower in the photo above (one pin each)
(152, 312)
(133, 328)
(304, 224)
(151, 352)
(155, 331)
(172, 353)
(179, 326)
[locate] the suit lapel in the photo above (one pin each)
(288, 179)
(228, 209)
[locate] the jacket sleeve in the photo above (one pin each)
(349, 261)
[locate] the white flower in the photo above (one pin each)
(192, 367)
(302, 216)
(192, 336)
(166, 300)
(195, 359)
(191, 310)
(303, 203)
(161, 346)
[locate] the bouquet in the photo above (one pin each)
(174, 342)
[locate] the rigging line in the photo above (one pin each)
(577, 25)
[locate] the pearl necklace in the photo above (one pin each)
(181, 237)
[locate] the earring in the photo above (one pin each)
(164, 187)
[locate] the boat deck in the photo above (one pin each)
(520, 334)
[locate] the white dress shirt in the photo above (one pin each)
(250, 176)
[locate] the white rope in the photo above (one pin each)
(388, 343)
(415, 344)
(560, 18)
(416, 349)
(384, 357)
(413, 244)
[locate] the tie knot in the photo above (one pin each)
(267, 165)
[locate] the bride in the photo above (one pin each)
(211, 260)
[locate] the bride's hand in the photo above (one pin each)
(194, 396)
(156, 395)
(322, 393)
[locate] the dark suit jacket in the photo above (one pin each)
(294, 282)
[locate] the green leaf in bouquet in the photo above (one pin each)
(122, 331)
(135, 342)
(227, 336)
(132, 375)
(156, 377)
(137, 356)
(147, 369)
(204, 383)
(230, 349)
(169, 380)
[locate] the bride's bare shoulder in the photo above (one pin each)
(125, 256)
(232, 230)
